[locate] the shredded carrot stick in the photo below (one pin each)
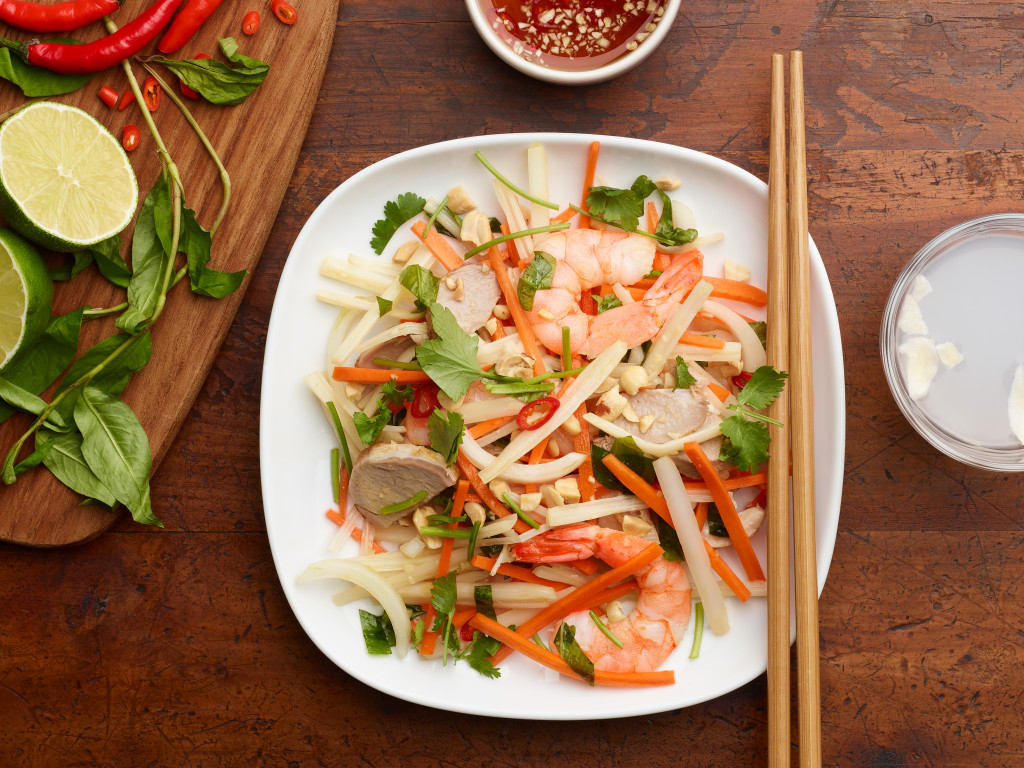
(727, 510)
(612, 593)
(588, 180)
(508, 290)
(572, 601)
(499, 331)
(662, 261)
(563, 217)
(701, 511)
(461, 617)
(700, 340)
(588, 566)
(719, 391)
(429, 638)
(338, 518)
(438, 246)
(515, 572)
(652, 216)
(644, 282)
(515, 641)
(486, 427)
(488, 498)
(458, 502)
(378, 375)
(732, 483)
(637, 293)
(734, 290)
(538, 451)
(652, 498)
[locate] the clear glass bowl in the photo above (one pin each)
(976, 272)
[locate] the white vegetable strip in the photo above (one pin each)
(668, 336)
(369, 280)
(381, 591)
(537, 172)
(753, 351)
(731, 352)
(521, 473)
(498, 527)
(567, 514)
(508, 595)
(622, 294)
(392, 333)
(692, 542)
(387, 268)
(491, 408)
(683, 216)
(497, 434)
(582, 387)
(757, 589)
(656, 449)
(347, 300)
(509, 202)
(563, 573)
(322, 387)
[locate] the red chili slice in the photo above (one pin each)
(523, 419)
(251, 22)
(126, 98)
(130, 137)
(425, 401)
(152, 93)
(284, 11)
(741, 379)
(108, 96)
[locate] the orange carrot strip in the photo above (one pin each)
(637, 293)
(458, 502)
(378, 375)
(652, 216)
(718, 391)
(652, 498)
(515, 572)
(612, 593)
(488, 498)
(566, 605)
(461, 617)
(429, 638)
(518, 313)
(701, 511)
(563, 217)
(644, 282)
(581, 442)
(553, 661)
(732, 483)
(700, 340)
(338, 518)
(588, 566)
(727, 510)
(588, 180)
(438, 246)
(486, 427)
(734, 290)
(499, 331)
(662, 261)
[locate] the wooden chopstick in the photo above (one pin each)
(802, 432)
(778, 462)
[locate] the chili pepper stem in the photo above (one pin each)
(18, 46)
(225, 179)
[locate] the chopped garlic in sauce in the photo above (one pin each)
(921, 364)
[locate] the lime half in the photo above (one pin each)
(26, 293)
(65, 181)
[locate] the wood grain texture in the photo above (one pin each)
(258, 142)
(176, 647)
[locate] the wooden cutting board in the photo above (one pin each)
(259, 142)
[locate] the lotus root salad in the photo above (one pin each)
(550, 427)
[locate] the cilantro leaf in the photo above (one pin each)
(536, 277)
(421, 283)
(572, 654)
(747, 445)
(642, 186)
(604, 303)
(446, 434)
(479, 652)
(370, 427)
(764, 386)
(618, 206)
(668, 234)
(684, 379)
(450, 359)
(395, 395)
(396, 213)
(443, 595)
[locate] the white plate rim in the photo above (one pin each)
(828, 498)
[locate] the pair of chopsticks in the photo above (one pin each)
(789, 308)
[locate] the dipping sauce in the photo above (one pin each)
(573, 34)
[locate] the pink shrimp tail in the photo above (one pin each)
(561, 545)
(683, 273)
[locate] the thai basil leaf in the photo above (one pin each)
(421, 283)
(107, 254)
(116, 448)
(34, 459)
(25, 400)
(214, 80)
(114, 377)
(66, 462)
(36, 81)
(572, 654)
(715, 525)
(484, 599)
(536, 277)
(625, 450)
(196, 242)
(669, 540)
(446, 434)
(39, 366)
(149, 258)
(378, 633)
(82, 259)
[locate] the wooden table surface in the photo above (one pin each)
(176, 647)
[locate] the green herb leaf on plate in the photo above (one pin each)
(396, 213)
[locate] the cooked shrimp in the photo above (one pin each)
(588, 258)
(650, 632)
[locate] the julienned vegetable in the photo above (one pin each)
(104, 53)
(543, 371)
(58, 17)
(188, 21)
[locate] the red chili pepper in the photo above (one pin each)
(425, 401)
(130, 137)
(58, 17)
(126, 98)
(522, 420)
(103, 53)
(152, 93)
(740, 380)
(187, 23)
(108, 96)
(284, 11)
(251, 22)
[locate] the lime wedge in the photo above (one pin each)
(26, 293)
(65, 181)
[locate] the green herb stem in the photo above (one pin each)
(335, 479)
(523, 516)
(513, 187)
(341, 434)
(755, 415)
(397, 364)
(566, 350)
(553, 375)
(434, 215)
(698, 630)
(514, 236)
(605, 630)
(398, 506)
(537, 639)
(444, 533)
